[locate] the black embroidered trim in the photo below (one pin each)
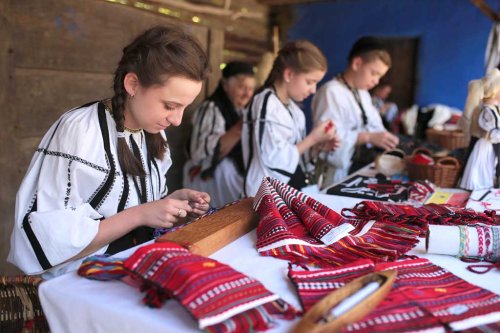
(250, 138)
(124, 197)
(35, 244)
(142, 190)
(72, 158)
(68, 188)
(283, 172)
(262, 119)
(103, 192)
(157, 173)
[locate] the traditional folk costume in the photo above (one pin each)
(270, 133)
(482, 169)
(221, 299)
(206, 171)
(353, 112)
(73, 182)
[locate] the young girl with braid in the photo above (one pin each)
(274, 139)
(97, 183)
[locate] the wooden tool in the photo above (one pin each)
(321, 317)
(212, 232)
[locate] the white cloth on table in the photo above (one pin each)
(114, 306)
(274, 130)
(74, 180)
(335, 101)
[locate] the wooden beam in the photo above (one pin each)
(237, 43)
(211, 10)
(287, 2)
(486, 9)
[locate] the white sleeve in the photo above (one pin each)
(54, 220)
(208, 127)
(329, 105)
(278, 150)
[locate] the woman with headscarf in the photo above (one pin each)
(216, 163)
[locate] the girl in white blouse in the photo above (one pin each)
(97, 182)
(274, 138)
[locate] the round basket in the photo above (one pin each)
(391, 162)
(444, 172)
(447, 139)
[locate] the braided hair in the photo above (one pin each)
(301, 56)
(154, 56)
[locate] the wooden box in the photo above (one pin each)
(212, 232)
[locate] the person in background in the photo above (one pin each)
(481, 121)
(388, 110)
(216, 161)
(274, 139)
(346, 100)
(97, 182)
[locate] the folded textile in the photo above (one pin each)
(218, 297)
(478, 241)
(423, 297)
(298, 228)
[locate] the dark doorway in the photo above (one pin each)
(402, 75)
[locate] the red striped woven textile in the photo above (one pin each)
(427, 214)
(291, 225)
(423, 297)
(220, 298)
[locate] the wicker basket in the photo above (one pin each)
(391, 162)
(20, 309)
(444, 172)
(447, 139)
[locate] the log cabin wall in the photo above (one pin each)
(59, 54)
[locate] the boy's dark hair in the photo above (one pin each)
(370, 48)
(154, 56)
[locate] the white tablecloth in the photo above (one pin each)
(75, 304)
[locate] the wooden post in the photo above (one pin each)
(215, 49)
(486, 9)
(276, 40)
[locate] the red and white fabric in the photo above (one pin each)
(424, 297)
(220, 298)
(292, 226)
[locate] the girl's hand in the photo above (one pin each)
(330, 145)
(198, 201)
(164, 213)
(384, 140)
(325, 131)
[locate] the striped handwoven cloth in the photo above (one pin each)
(292, 224)
(219, 297)
(426, 214)
(424, 297)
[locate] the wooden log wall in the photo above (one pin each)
(59, 54)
